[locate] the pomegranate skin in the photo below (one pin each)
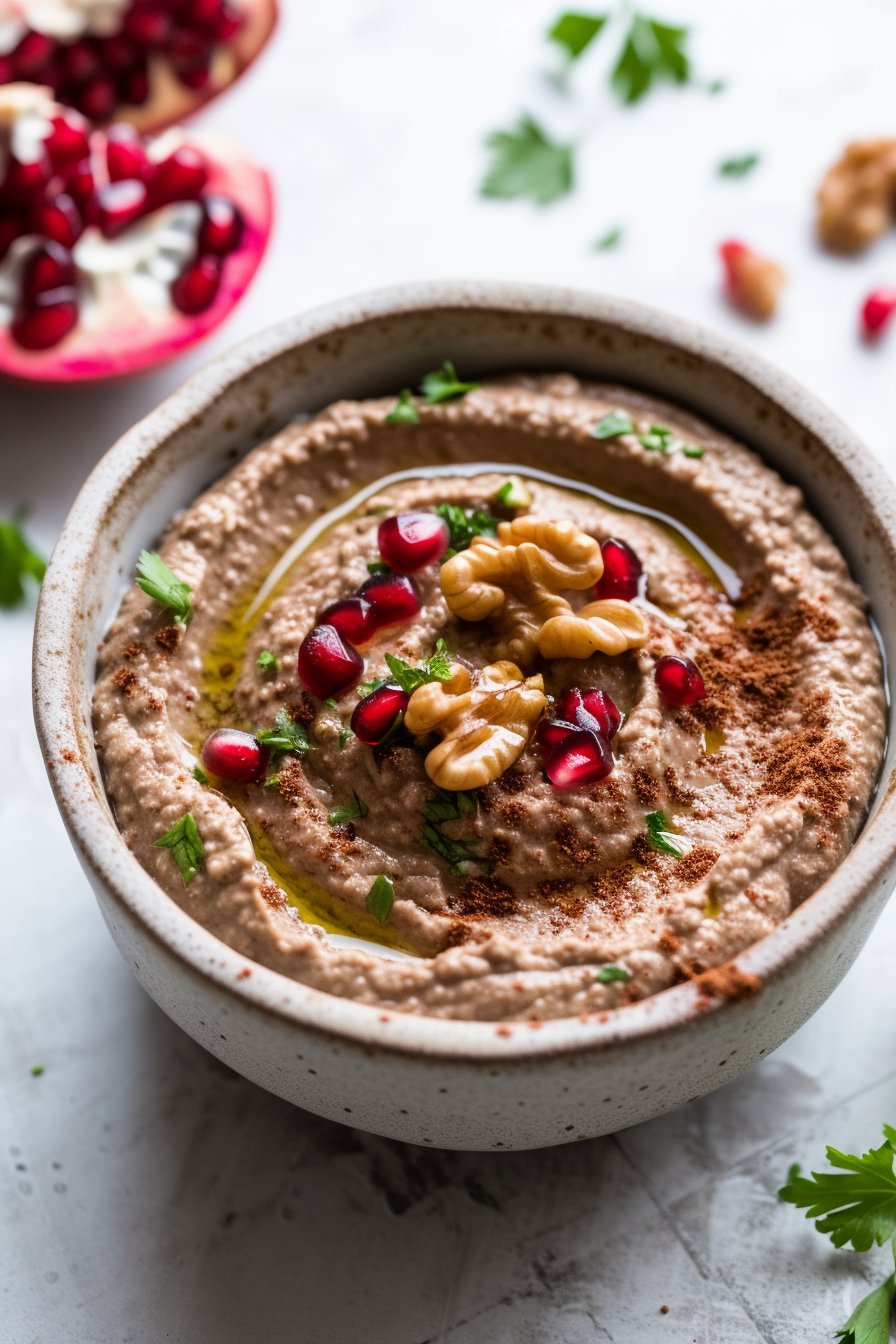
(622, 571)
(392, 597)
(195, 288)
(678, 680)
(230, 754)
(376, 715)
(580, 758)
(589, 709)
(352, 617)
(411, 541)
(327, 663)
(877, 312)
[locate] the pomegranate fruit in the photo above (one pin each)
(678, 680)
(377, 714)
(589, 709)
(393, 598)
(231, 754)
(411, 541)
(352, 617)
(622, 571)
(328, 664)
(877, 311)
(161, 239)
(150, 62)
(580, 758)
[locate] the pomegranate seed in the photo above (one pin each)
(580, 758)
(180, 177)
(24, 182)
(589, 709)
(80, 62)
(228, 23)
(352, 617)
(231, 754)
(50, 267)
(551, 732)
(12, 226)
(393, 597)
(203, 13)
(186, 48)
(60, 220)
(196, 76)
(79, 183)
(7, 70)
(411, 541)
(622, 571)
(221, 230)
(135, 87)
(32, 55)
(195, 288)
(877, 311)
(375, 716)
(148, 25)
(118, 204)
(119, 53)
(67, 143)
(50, 317)
(678, 680)
(327, 663)
(97, 99)
(125, 155)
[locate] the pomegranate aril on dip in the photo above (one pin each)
(116, 253)
(514, 732)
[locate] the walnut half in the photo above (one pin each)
(857, 196)
(483, 728)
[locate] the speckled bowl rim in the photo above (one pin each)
(104, 853)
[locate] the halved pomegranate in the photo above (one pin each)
(377, 714)
(232, 754)
(411, 541)
(149, 62)
(328, 664)
(160, 240)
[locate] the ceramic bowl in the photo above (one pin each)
(451, 1084)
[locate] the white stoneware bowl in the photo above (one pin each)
(428, 1081)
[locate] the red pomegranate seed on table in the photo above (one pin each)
(375, 716)
(580, 758)
(678, 680)
(589, 709)
(195, 288)
(221, 229)
(98, 98)
(118, 204)
(411, 541)
(59, 219)
(393, 597)
(622, 571)
(67, 142)
(48, 318)
(877, 310)
(328, 664)
(125, 155)
(180, 177)
(231, 754)
(352, 617)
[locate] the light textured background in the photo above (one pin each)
(148, 1193)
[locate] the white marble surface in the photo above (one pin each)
(148, 1194)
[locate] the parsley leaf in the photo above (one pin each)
(465, 524)
(693, 449)
(575, 32)
(444, 385)
(17, 558)
(658, 439)
(607, 241)
(344, 812)
(267, 663)
(460, 855)
(436, 668)
(199, 774)
(36, 1070)
(448, 806)
(870, 1322)
(157, 580)
(378, 567)
(659, 837)
(607, 974)
(404, 412)
(380, 898)
(287, 736)
(617, 422)
(652, 51)
(857, 1209)
(186, 847)
(344, 735)
(526, 162)
(513, 494)
(738, 167)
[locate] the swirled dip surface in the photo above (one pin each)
(764, 781)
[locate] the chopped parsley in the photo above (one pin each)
(381, 898)
(157, 580)
(36, 1070)
(693, 449)
(613, 424)
(739, 167)
(267, 663)
(464, 525)
(199, 774)
(378, 567)
(657, 439)
(513, 494)
(652, 51)
(436, 668)
(287, 736)
(344, 812)
(448, 806)
(444, 385)
(607, 241)
(607, 974)
(18, 559)
(574, 32)
(460, 855)
(659, 837)
(404, 412)
(344, 735)
(186, 847)
(526, 162)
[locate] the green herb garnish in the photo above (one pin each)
(464, 525)
(574, 32)
(186, 847)
(157, 580)
(381, 898)
(287, 736)
(607, 974)
(18, 558)
(444, 385)
(793, 1171)
(378, 567)
(527, 163)
(658, 439)
(660, 837)
(513, 495)
(404, 412)
(692, 449)
(435, 668)
(460, 855)
(344, 812)
(267, 663)
(738, 167)
(36, 1070)
(344, 735)
(607, 241)
(613, 424)
(448, 806)
(652, 51)
(272, 782)
(199, 774)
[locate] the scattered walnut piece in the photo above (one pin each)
(857, 196)
(753, 282)
(484, 728)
